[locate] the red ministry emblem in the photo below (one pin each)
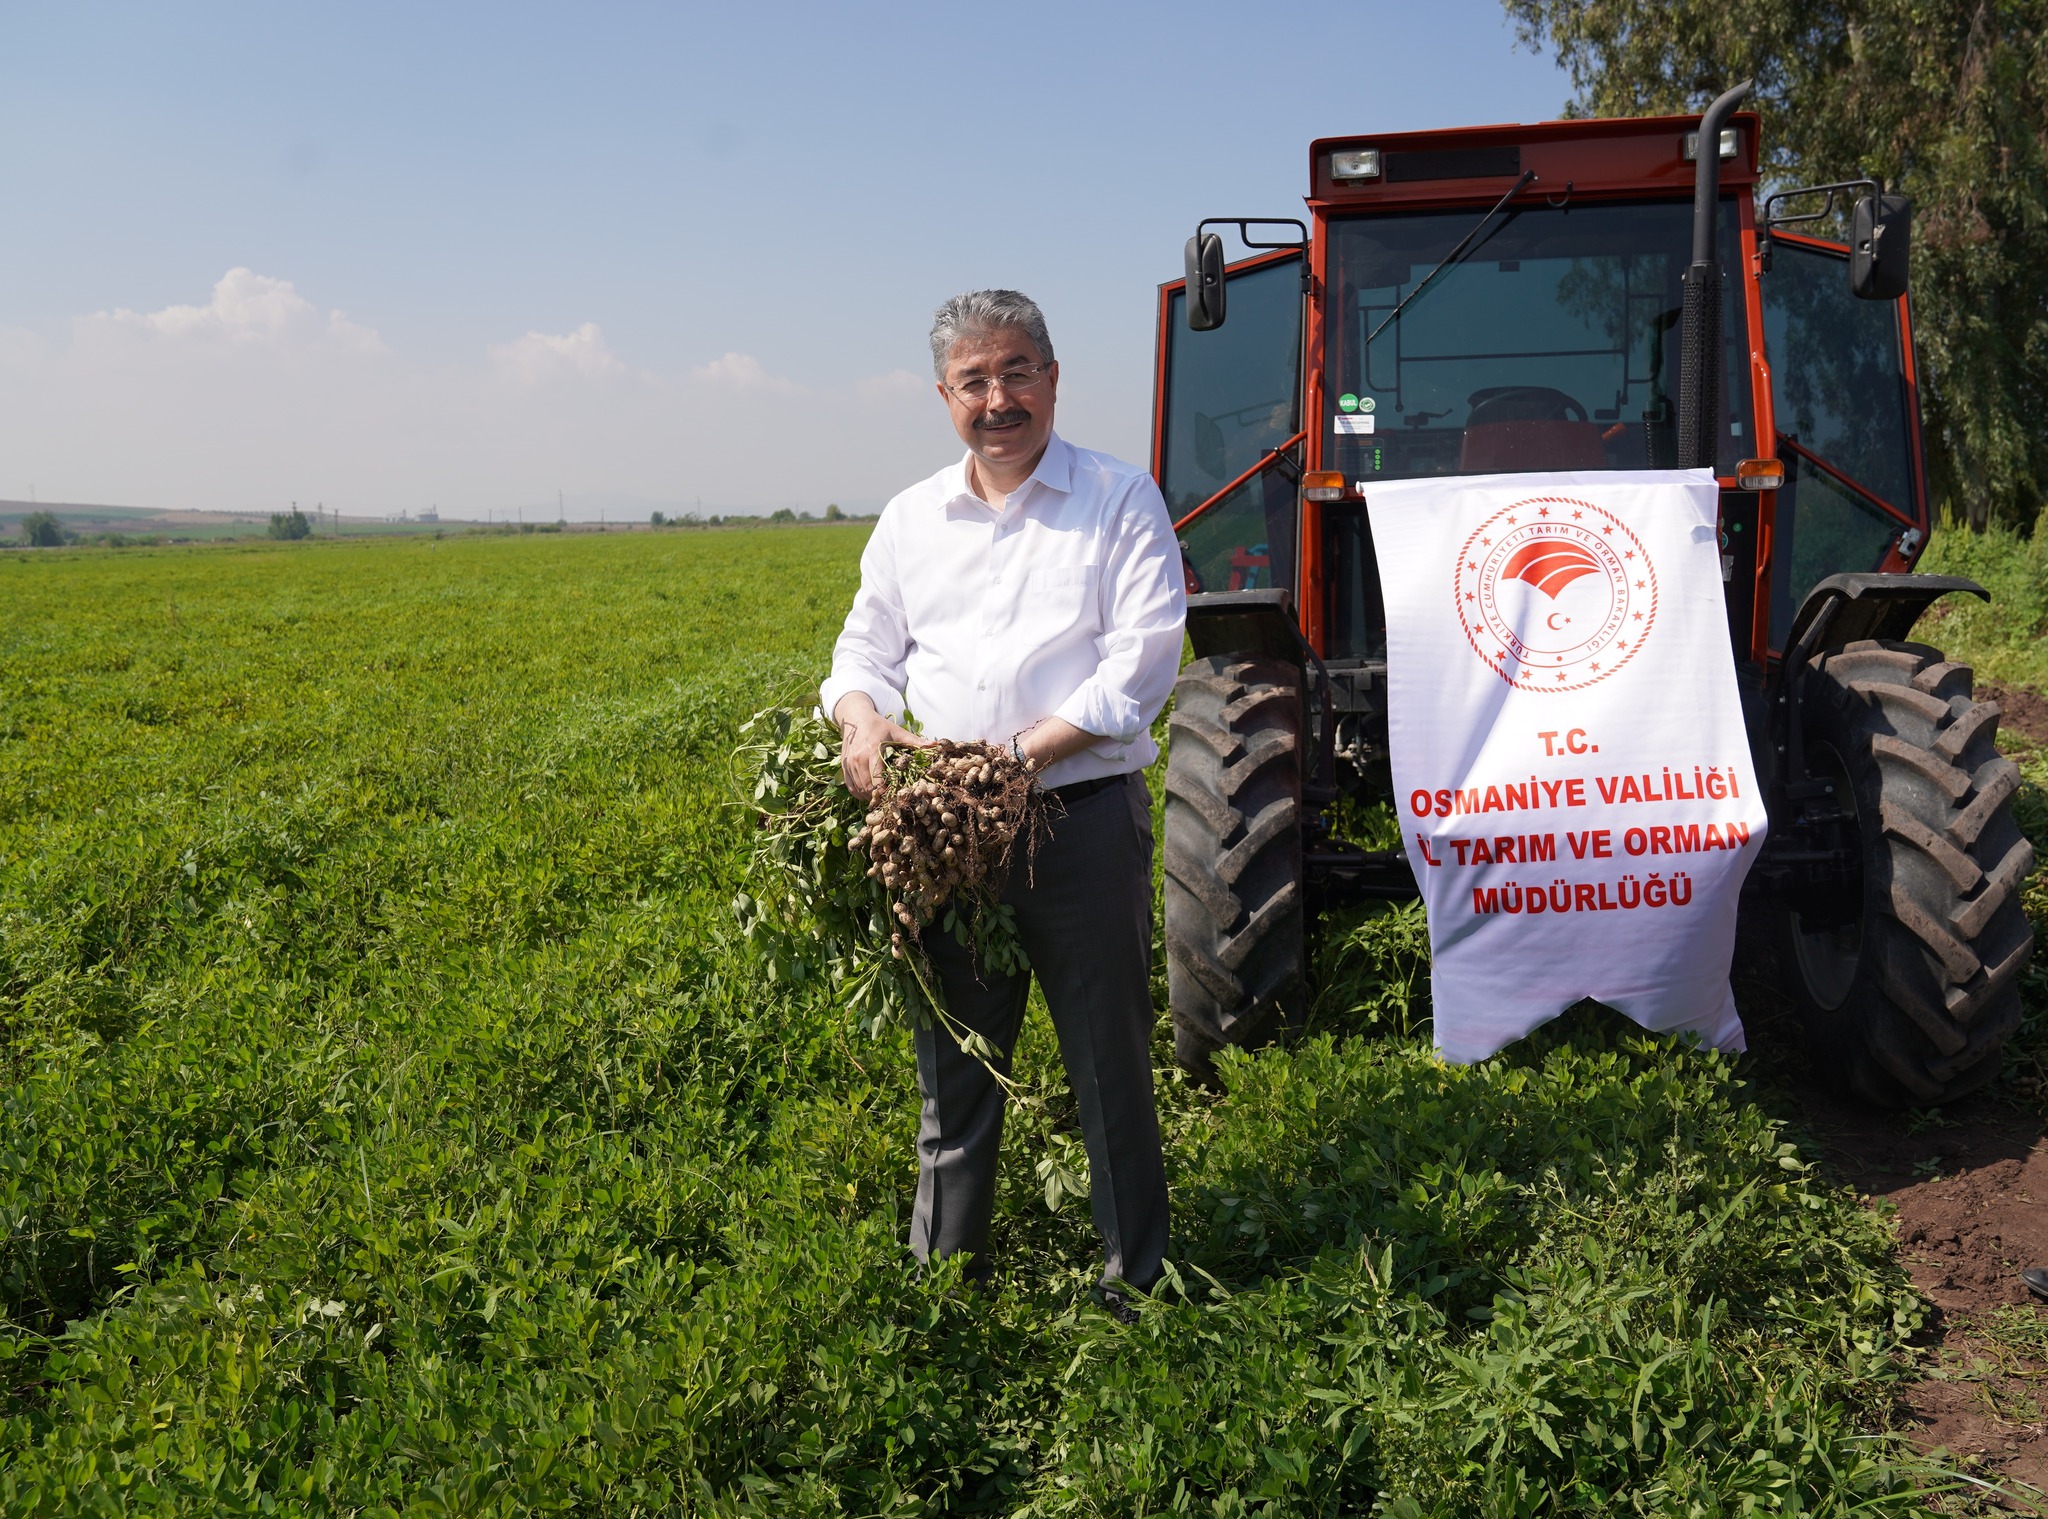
(1555, 593)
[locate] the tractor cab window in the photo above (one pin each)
(1551, 344)
(1229, 398)
(1845, 419)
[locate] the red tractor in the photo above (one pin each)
(1569, 296)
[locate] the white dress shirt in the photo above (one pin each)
(1069, 603)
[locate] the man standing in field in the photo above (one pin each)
(1030, 595)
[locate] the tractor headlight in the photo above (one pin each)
(1731, 144)
(1355, 163)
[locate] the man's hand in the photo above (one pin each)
(863, 734)
(1052, 740)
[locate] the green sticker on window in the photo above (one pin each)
(1367, 404)
(1347, 402)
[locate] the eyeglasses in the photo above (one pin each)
(1013, 381)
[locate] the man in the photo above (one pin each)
(1030, 595)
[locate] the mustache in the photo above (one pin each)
(1002, 418)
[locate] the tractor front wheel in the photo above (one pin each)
(1234, 937)
(1910, 1004)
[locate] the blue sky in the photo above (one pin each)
(384, 256)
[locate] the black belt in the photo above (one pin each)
(1076, 791)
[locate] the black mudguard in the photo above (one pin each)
(1845, 608)
(1245, 622)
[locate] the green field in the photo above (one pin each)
(392, 1124)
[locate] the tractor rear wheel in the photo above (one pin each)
(1234, 936)
(1910, 1005)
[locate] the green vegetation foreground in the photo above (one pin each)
(394, 1122)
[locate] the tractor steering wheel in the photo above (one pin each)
(1522, 403)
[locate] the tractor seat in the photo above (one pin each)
(1511, 447)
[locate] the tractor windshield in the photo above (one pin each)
(1552, 344)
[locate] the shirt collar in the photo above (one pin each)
(1055, 471)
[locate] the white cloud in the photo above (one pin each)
(895, 385)
(541, 356)
(742, 371)
(247, 307)
(260, 395)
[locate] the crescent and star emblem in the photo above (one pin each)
(1555, 593)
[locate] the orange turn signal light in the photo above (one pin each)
(1322, 485)
(1760, 474)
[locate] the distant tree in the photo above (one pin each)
(833, 513)
(782, 514)
(1945, 101)
(291, 524)
(42, 530)
(656, 519)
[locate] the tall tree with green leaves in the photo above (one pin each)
(1944, 100)
(42, 530)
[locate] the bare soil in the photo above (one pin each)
(2021, 710)
(1970, 1186)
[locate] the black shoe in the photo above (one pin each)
(2036, 1281)
(1120, 1308)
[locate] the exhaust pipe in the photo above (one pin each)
(1699, 354)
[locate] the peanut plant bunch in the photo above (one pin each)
(844, 890)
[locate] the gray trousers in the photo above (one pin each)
(1085, 918)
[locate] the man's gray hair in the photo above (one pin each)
(980, 311)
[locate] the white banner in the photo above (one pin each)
(1570, 767)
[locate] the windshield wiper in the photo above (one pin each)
(1454, 255)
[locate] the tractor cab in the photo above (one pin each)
(1550, 342)
(1573, 295)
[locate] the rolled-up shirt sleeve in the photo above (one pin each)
(875, 643)
(1144, 613)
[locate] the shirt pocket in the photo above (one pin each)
(1062, 597)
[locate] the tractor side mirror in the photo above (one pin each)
(1880, 247)
(1205, 282)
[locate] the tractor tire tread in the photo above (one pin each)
(1233, 856)
(1955, 863)
(1972, 717)
(1203, 885)
(1222, 818)
(1221, 741)
(1946, 680)
(1933, 992)
(1996, 784)
(1943, 774)
(2002, 881)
